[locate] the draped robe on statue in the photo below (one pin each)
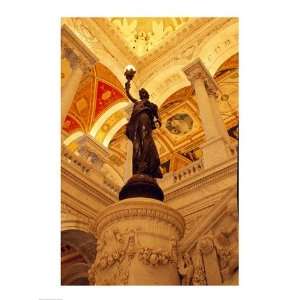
(145, 158)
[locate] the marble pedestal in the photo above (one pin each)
(137, 244)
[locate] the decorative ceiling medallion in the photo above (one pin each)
(180, 124)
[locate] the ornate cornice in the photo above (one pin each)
(185, 49)
(75, 51)
(140, 208)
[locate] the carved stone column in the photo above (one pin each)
(129, 148)
(80, 60)
(210, 260)
(216, 149)
(69, 90)
(137, 244)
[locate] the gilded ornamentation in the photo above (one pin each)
(143, 34)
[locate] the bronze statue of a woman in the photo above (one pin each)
(145, 158)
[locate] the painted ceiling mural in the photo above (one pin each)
(97, 92)
(181, 133)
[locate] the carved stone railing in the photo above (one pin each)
(87, 168)
(188, 171)
(75, 160)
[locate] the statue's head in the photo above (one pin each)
(144, 95)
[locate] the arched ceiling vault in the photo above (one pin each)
(99, 93)
(214, 51)
(98, 106)
(181, 133)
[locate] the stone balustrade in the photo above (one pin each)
(188, 171)
(77, 161)
(89, 168)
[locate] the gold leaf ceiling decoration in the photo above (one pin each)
(144, 34)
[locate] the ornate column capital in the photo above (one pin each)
(74, 50)
(197, 70)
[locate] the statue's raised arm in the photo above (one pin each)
(127, 87)
(129, 74)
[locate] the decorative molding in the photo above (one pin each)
(75, 50)
(173, 191)
(197, 70)
(140, 208)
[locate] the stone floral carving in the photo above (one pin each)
(154, 257)
(186, 269)
(206, 245)
(126, 232)
(135, 209)
(199, 277)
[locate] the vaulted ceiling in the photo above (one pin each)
(100, 91)
(181, 131)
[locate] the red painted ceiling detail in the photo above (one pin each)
(70, 124)
(106, 96)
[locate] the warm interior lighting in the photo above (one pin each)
(130, 67)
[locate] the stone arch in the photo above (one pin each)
(73, 137)
(107, 114)
(113, 131)
(75, 274)
(78, 252)
(213, 51)
(219, 48)
(84, 242)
